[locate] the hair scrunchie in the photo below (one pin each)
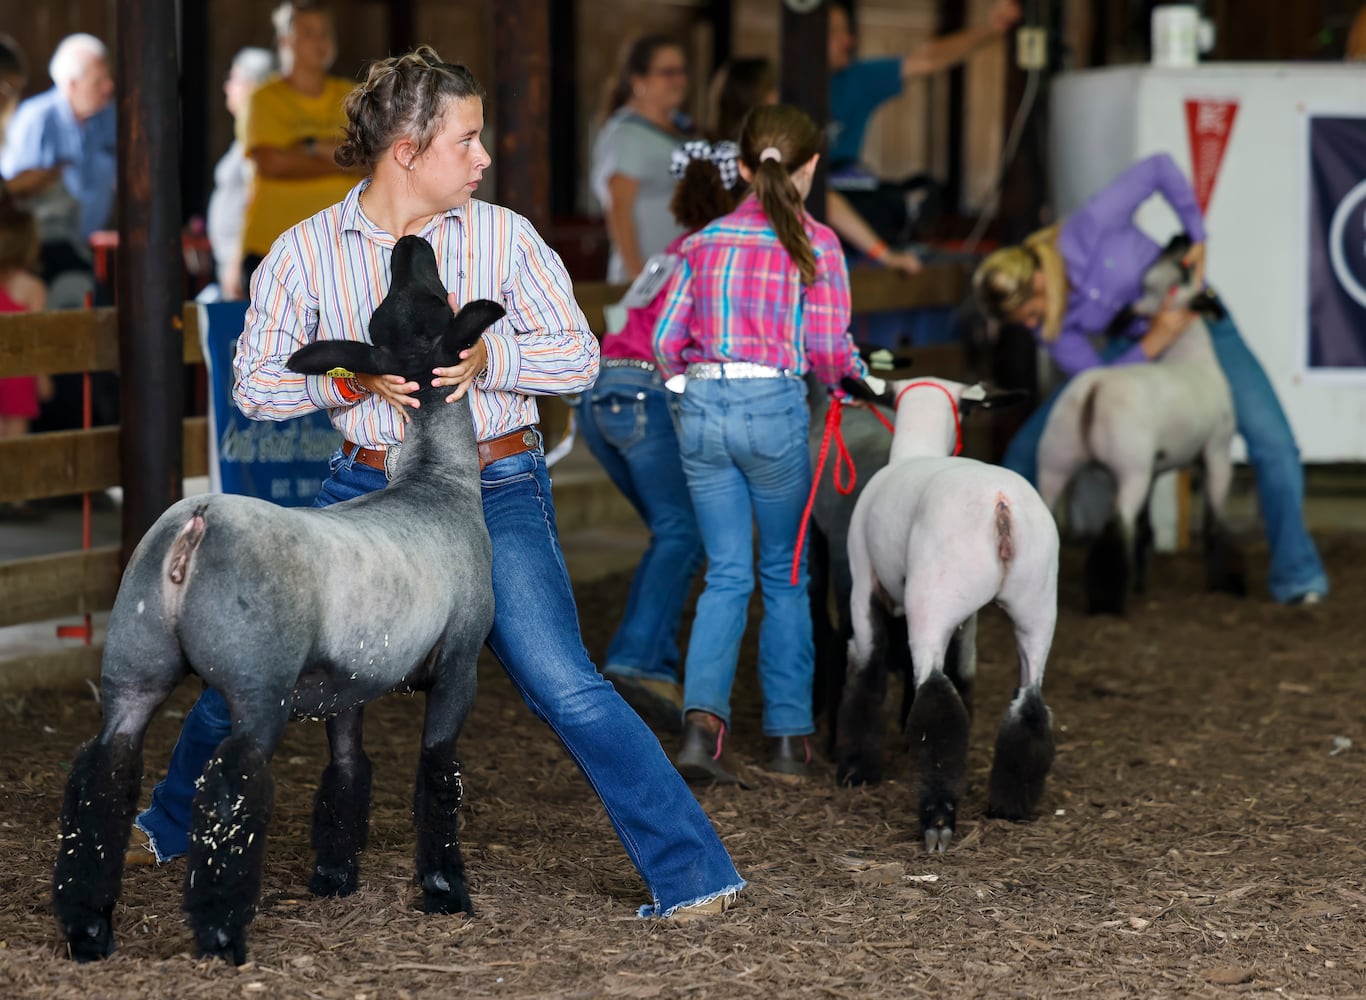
(725, 156)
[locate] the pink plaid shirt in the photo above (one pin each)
(737, 296)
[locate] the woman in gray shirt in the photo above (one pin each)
(642, 124)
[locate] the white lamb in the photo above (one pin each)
(936, 538)
(1141, 420)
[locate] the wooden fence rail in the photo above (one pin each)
(61, 463)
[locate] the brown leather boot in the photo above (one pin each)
(702, 755)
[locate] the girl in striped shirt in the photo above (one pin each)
(414, 128)
(761, 295)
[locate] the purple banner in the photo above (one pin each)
(1337, 242)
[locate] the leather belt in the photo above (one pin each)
(736, 369)
(504, 446)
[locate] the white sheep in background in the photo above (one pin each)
(937, 538)
(300, 612)
(1141, 420)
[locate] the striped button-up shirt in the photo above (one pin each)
(738, 296)
(325, 277)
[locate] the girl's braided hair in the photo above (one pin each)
(402, 97)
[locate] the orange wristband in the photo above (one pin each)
(878, 250)
(350, 389)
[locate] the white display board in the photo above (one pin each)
(1258, 211)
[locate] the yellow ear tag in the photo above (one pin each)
(340, 373)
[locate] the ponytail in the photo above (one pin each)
(775, 141)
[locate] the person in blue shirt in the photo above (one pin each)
(859, 86)
(71, 127)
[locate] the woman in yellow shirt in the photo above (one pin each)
(292, 126)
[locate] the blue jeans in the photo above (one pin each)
(1271, 450)
(627, 421)
(536, 638)
(744, 446)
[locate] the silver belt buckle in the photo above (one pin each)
(529, 438)
(391, 460)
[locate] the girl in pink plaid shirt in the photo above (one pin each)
(760, 295)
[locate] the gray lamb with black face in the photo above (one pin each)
(300, 613)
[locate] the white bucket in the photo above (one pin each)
(1176, 29)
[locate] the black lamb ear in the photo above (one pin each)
(982, 397)
(1178, 245)
(321, 356)
(471, 321)
(870, 390)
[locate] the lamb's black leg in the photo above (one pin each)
(829, 677)
(341, 810)
(960, 662)
(1143, 549)
(1224, 567)
(97, 815)
(937, 733)
(1107, 570)
(227, 845)
(858, 736)
(436, 802)
(1024, 755)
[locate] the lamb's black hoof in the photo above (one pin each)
(858, 767)
(1023, 758)
(334, 880)
(92, 941)
(937, 815)
(443, 895)
(229, 945)
(1107, 573)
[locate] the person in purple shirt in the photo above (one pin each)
(1068, 283)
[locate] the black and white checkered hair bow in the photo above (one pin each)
(724, 155)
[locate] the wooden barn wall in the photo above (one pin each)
(907, 136)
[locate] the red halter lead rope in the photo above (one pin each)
(842, 459)
(833, 417)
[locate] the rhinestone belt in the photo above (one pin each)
(736, 369)
(627, 363)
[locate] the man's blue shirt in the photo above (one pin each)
(45, 133)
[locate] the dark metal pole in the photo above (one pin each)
(198, 92)
(722, 17)
(805, 78)
(953, 16)
(521, 107)
(564, 105)
(150, 284)
(402, 26)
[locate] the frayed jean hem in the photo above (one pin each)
(152, 842)
(654, 909)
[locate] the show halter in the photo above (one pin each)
(953, 405)
(843, 460)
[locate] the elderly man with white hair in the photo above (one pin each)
(70, 126)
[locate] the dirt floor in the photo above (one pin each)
(1201, 836)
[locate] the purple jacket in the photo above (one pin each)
(1105, 256)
